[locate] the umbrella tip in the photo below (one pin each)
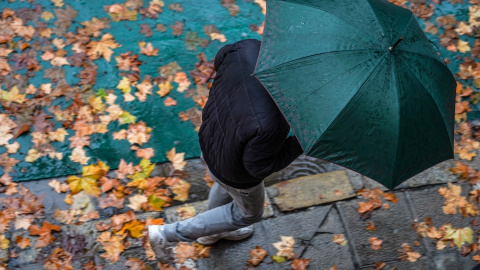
(396, 43)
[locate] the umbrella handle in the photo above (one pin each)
(438, 51)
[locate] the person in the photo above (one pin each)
(244, 137)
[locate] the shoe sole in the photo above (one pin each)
(160, 253)
(232, 238)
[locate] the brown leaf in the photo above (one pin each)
(59, 260)
(376, 243)
(146, 30)
(257, 255)
(177, 28)
(137, 264)
(22, 242)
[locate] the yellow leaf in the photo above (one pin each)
(165, 88)
(459, 236)
(47, 15)
(96, 49)
(134, 227)
(78, 155)
(181, 190)
(4, 242)
(88, 181)
(58, 135)
(463, 46)
(218, 36)
(13, 95)
(124, 85)
(186, 211)
(176, 159)
(58, 3)
(339, 239)
(32, 155)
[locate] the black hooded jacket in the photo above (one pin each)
(243, 136)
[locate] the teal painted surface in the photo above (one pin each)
(168, 130)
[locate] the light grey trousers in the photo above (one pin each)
(228, 209)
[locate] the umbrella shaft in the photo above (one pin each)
(396, 43)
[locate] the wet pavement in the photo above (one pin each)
(324, 205)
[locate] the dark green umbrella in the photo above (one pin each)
(360, 85)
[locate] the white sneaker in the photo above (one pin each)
(162, 248)
(239, 234)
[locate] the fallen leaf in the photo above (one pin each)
(257, 255)
(137, 201)
(137, 264)
(59, 260)
(134, 227)
(112, 244)
(376, 243)
(285, 247)
(22, 242)
(45, 233)
(300, 264)
(4, 242)
(186, 211)
(177, 160)
(340, 239)
(88, 180)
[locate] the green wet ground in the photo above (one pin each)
(168, 130)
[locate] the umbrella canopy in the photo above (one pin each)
(360, 85)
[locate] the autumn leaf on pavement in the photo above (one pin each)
(146, 153)
(376, 243)
(140, 177)
(119, 220)
(339, 239)
(134, 227)
(300, 264)
(45, 233)
(459, 236)
(88, 180)
(408, 254)
(257, 255)
(285, 247)
(137, 264)
(111, 201)
(124, 169)
(22, 242)
(59, 260)
(78, 155)
(137, 201)
(58, 186)
(148, 49)
(180, 188)
(186, 211)
(112, 244)
(194, 251)
(177, 160)
(156, 202)
(454, 201)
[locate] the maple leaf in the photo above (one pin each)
(186, 211)
(137, 264)
(156, 202)
(58, 135)
(22, 242)
(459, 236)
(376, 243)
(134, 227)
(140, 177)
(340, 239)
(257, 255)
(300, 264)
(285, 247)
(96, 49)
(184, 251)
(146, 30)
(177, 160)
(146, 153)
(391, 197)
(78, 155)
(148, 49)
(144, 89)
(111, 201)
(137, 201)
(180, 188)
(127, 118)
(231, 7)
(45, 233)
(124, 169)
(112, 244)
(88, 181)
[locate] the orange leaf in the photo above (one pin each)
(391, 197)
(137, 264)
(59, 260)
(134, 227)
(257, 255)
(376, 243)
(300, 264)
(170, 102)
(22, 242)
(44, 233)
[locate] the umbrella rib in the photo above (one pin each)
(312, 55)
(426, 55)
(430, 95)
(312, 6)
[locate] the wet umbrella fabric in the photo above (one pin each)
(360, 85)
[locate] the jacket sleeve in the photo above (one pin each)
(269, 153)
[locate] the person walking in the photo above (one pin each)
(244, 137)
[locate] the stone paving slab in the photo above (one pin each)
(323, 252)
(428, 203)
(171, 214)
(311, 190)
(393, 226)
(302, 226)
